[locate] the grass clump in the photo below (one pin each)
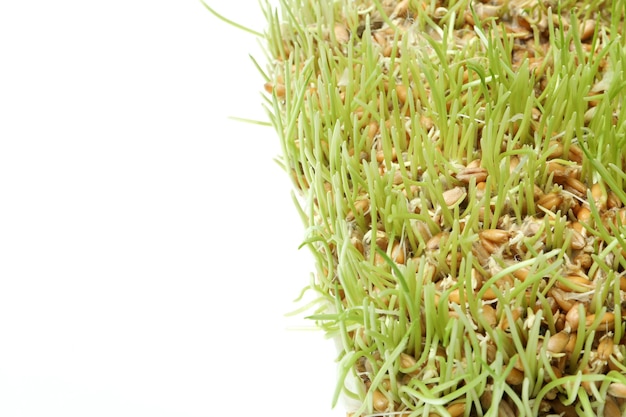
(460, 166)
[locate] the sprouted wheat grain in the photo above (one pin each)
(461, 170)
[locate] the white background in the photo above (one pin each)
(148, 244)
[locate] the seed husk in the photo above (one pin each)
(578, 240)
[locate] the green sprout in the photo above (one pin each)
(461, 177)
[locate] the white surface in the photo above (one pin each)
(148, 244)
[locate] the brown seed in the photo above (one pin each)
(504, 321)
(576, 187)
(496, 236)
(557, 373)
(605, 347)
(584, 260)
(599, 195)
(617, 389)
(456, 409)
(426, 122)
(380, 155)
(474, 163)
(397, 178)
(401, 92)
(477, 173)
(454, 196)
(552, 305)
(489, 246)
(621, 217)
(421, 228)
(505, 410)
(550, 201)
(521, 274)
(380, 401)
(611, 408)
(491, 351)
(560, 363)
(574, 283)
(379, 260)
(407, 362)
(361, 207)
(341, 33)
(556, 149)
(573, 317)
(486, 399)
(575, 153)
(454, 296)
(590, 114)
(607, 322)
(583, 215)
(372, 130)
(381, 239)
(489, 314)
(380, 38)
(480, 190)
(435, 242)
(577, 226)
(587, 29)
(590, 385)
(358, 244)
(490, 295)
(277, 88)
(515, 377)
(613, 201)
(469, 17)
(559, 296)
(563, 410)
(485, 11)
(559, 170)
(513, 163)
(401, 9)
(480, 253)
(571, 344)
(386, 384)
(557, 342)
(398, 253)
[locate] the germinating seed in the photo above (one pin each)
(460, 168)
